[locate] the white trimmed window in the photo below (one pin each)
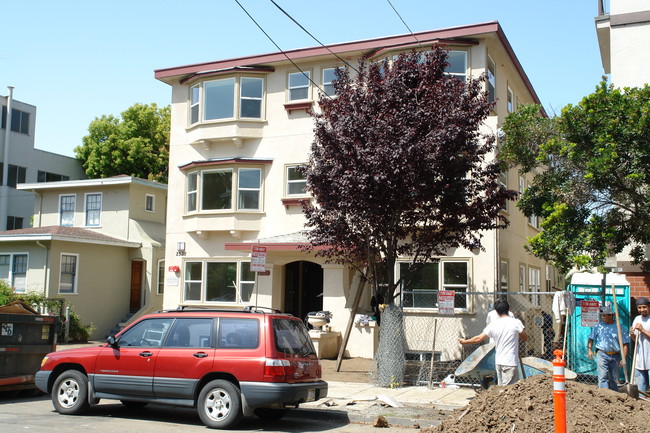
(93, 209)
(249, 188)
(68, 273)
(457, 64)
(533, 284)
(420, 288)
(161, 277)
(192, 191)
(299, 86)
(149, 203)
(218, 282)
(225, 189)
(329, 75)
(296, 184)
(227, 99)
(511, 100)
(522, 278)
(195, 114)
(491, 80)
(504, 275)
(13, 270)
(67, 204)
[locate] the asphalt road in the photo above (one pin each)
(32, 412)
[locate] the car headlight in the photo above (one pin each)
(45, 358)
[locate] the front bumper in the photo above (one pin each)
(42, 379)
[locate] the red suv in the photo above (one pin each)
(227, 364)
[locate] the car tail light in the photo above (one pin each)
(277, 369)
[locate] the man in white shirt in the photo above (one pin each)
(640, 333)
(506, 332)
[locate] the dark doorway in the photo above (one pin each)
(136, 285)
(303, 288)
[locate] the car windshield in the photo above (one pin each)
(291, 337)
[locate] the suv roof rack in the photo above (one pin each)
(259, 309)
(246, 309)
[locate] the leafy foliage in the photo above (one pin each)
(592, 181)
(135, 145)
(398, 168)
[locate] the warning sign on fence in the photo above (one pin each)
(589, 313)
(446, 299)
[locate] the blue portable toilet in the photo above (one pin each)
(588, 287)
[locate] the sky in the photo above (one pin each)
(76, 61)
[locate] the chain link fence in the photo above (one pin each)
(417, 347)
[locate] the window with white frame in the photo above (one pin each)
(522, 186)
(13, 270)
(227, 98)
(420, 287)
(533, 284)
(225, 189)
(511, 100)
(219, 282)
(457, 64)
(161, 277)
(503, 180)
(68, 273)
(491, 80)
(93, 209)
(504, 275)
(67, 204)
(149, 203)
(296, 181)
(299, 85)
(522, 278)
(329, 75)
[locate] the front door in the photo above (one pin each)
(136, 285)
(303, 288)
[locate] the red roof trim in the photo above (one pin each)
(235, 70)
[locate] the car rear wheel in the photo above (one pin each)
(219, 404)
(272, 414)
(70, 393)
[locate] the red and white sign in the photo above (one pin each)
(589, 316)
(258, 259)
(446, 301)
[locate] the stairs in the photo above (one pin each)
(118, 327)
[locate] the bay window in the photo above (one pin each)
(420, 287)
(217, 281)
(226, 98)
(250, 182)
(224, 189)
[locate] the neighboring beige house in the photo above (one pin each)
(623, 29)
(26, 164)
(240, 128)
(97, 243)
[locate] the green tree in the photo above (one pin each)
(592, 175)
(398, 168)
(135, 145)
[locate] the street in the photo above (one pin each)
(28, 412)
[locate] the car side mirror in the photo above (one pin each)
(112, 341)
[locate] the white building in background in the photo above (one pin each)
(26, 164)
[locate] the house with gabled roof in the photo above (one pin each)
(241, 127)
(98, 244)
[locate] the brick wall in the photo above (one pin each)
(639, 284)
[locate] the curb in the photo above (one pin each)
(347, 417)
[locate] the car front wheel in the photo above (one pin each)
(219, 404)
(70, 393)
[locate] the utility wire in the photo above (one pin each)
(312, 36)
(404, 22)
(280, 49)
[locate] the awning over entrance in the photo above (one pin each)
(288, 242)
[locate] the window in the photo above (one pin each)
(457, 64)
(93, 209)
(522, 278)
(238, 333)
(14, 223)
(192, 190)
(68, 276)
(511, 100)
(299, 85)
(329, 75)
(194, 104)
(225, 189)
(15, 176)
(149, 203)
(533, 284)
(192, 333)
(149, 333)
(522, 186)
(503, 180)
(222, 282)
(227, 98)
(420, 287)
(13, 269)
(491, 80)
(161, 277)
(67, 205)
(251, 95)
(19, 120)
(44, 176)
(250, 182)
(296, 181)
(504, 275)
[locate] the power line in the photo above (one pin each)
(280, 49)
(404, 22)
(312, 36)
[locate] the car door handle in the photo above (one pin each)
(200, 355)
(145, 354)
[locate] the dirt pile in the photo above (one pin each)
(527, 407)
